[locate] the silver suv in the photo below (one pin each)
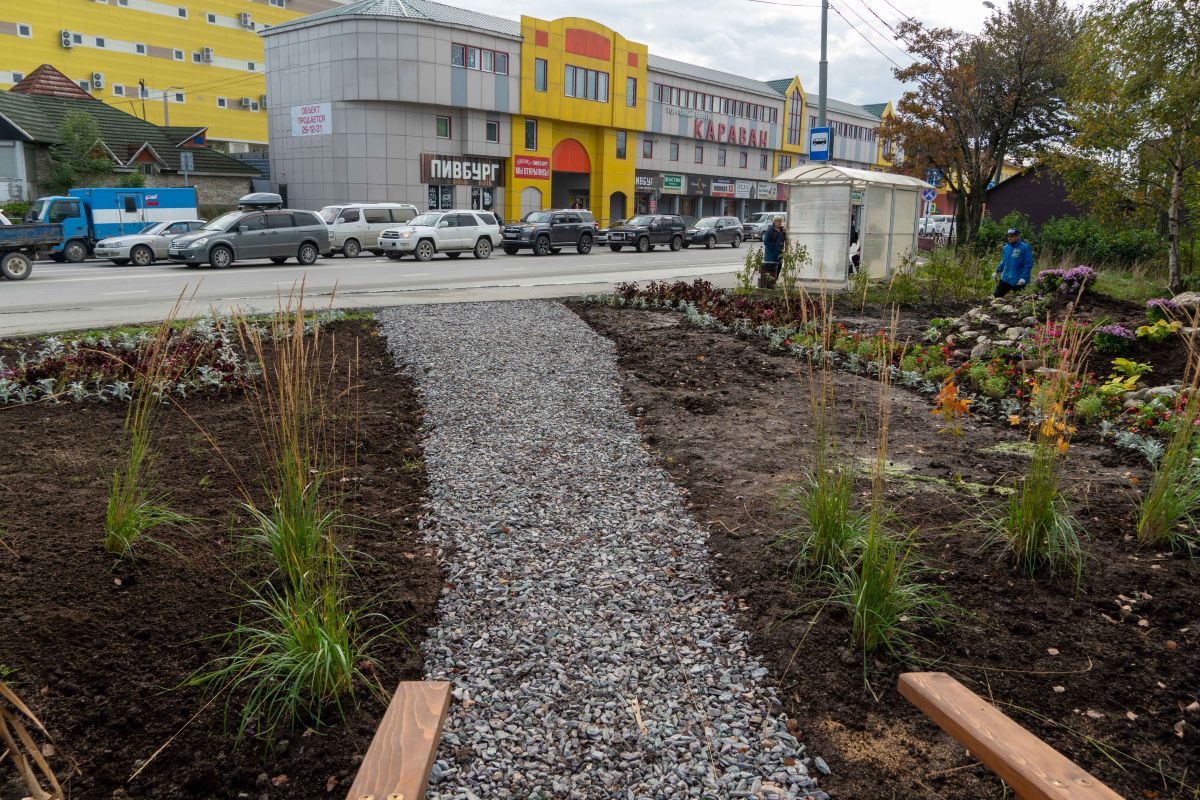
(277, 234)
(451, 232)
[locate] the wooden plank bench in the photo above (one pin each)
(1032, 768)
(402, 753)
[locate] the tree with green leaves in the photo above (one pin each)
(78, 154)
(1134, 101)
(979, 100)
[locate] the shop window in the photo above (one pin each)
(539, 74)
(443, 127)
(743, 159)
(647, 148)
(531, 134)
(493, 131)
(720, 156)
(621, 141)
(674, 151)
(458, 55)
(699, 154)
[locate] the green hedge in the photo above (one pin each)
(1082, 238)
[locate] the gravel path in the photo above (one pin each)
(590, 653)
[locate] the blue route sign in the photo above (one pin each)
(820, 144)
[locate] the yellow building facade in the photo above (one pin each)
(192, 62)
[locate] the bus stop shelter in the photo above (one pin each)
(826, 203)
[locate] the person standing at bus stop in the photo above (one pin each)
(774, 241)
(1016, 265)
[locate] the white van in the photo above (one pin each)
(936, 225)
(354, 227)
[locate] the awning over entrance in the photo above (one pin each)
(569, 156)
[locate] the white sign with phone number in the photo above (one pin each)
(313, 119)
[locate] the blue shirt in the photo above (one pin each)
(773, 242)
(1016, 263)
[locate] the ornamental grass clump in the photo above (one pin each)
(134, 506)
(1037, 527)
(1169, 511)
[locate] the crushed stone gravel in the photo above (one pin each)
(590, 653)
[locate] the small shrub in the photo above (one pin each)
(831, 531)
(1113, 339)
(910, 362)
(1090, 408)
(938, 373)
(1169, 511)
(995, 387)
(1159, 331)
(978, 373)
(1160, 309)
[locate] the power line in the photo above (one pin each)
(890, 39)
(865, 38)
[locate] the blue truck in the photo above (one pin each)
(88, 215)
(21, 244)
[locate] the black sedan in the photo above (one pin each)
(712, 231)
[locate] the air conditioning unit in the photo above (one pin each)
(206, 55)
(65, 39)
(97, 80)
(262, 100)
(245, 102)
(246, 21)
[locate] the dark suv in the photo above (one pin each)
(546, 232)
(712, 231)
(646, 231)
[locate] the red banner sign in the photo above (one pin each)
(734, 134)
(532, 167)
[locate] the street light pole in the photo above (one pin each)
(823, 81)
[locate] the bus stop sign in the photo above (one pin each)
(820, 142)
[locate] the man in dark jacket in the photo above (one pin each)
(1016, 265)
(774, 240)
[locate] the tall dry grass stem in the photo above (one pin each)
(21, 749)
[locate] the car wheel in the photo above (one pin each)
(75, 251)
(616, 248)
(220, 256)
(542, 246)
(512, 251)
(393, 256)
(643, 245)
(585, 245)
(710, 243)
(308, 254)
(120, 262)
(351, 248)
(142, 256)
(483, 248)
(676, 243)
(278, 259)
(425, 250)
(737, 242)
(16, 266)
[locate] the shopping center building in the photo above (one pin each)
(421, 102)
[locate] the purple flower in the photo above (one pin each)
(1163, 303)
(1118, 331)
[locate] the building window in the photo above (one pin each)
(472, 58)
(795, 120)
(250, 65)
(85, 85)
(631, 92)
(501, 63)
(785, 163)
(99, 41)
(179, 97)
(140, 48)
(621, 142)
(222, 102)
(585, 84)
(743, 159)
(699, 154)
(182, 12)
(493, 131)
(443, 127)
(195, 58)
(212, 19)
(254, 105)
(279, 3)
(118, 90)
(178, 55)
(77, 38)
(489, 60)
(18, 77)
(674, 151)
(647, 148)
(24, 31)
(458, 55)
(762, 162)
(720, 156)
(539, 74)
(531, 136)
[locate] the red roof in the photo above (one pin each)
(46, 80)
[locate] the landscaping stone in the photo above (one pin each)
(580, 617)
(1187, 300)
(980, 350)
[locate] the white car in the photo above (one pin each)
(354, 227)
(936, 225)
(451, 232)
(147, 245)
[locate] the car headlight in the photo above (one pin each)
(196, 242)
(406, 234)
(117, 243)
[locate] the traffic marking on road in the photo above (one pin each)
(137, 291)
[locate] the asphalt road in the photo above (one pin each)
(72, 296)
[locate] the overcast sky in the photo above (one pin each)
(764, 40)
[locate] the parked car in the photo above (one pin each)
(756, 224)
(451, 232)
(936, 225)
(277, 234)
(712, 231)
(354, 227)
(602, 233)
(147, 245)
(546, 232)
(646, 231)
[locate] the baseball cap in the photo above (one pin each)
(1013, 232)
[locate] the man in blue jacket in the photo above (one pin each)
(774, 241)
(1016, 265)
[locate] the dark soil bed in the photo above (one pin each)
(98, 649)
(1110, 666)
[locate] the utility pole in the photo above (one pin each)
(166, 110)
(823, 87)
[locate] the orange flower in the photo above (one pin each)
(1062, 445)
(1014, 420)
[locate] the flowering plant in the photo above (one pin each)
(1113, 339)
(1070, 281)
(1160, 308)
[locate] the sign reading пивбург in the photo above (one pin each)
(313, 119)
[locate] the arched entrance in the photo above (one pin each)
(531, 200)
(570, 175)
(616, 207)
